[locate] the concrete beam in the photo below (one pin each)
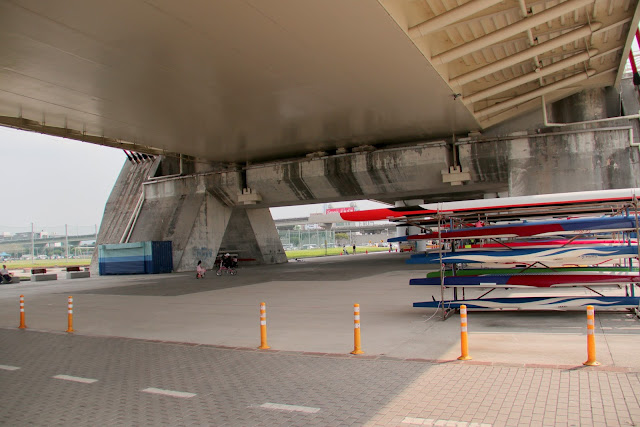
(450, 17)
(509, 31)
(390, 174)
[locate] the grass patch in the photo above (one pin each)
(298, 253)
(47, 263)
(308, 253)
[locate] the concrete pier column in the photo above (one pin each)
(590, 104)
(252, 234)
(421, 245)
(198, 215)
(201, 216)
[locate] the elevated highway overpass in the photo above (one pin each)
(23, 246)
(252, 104)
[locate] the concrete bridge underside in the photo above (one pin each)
(251, 104)
(204, 210)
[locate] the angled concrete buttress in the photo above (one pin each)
(121, 205)
(198, 214)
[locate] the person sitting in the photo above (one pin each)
(227, 261)
(200, 270)
(4, 275)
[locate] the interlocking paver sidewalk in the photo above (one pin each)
(169, 349)
(231, 387)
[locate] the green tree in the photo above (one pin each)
(342, 237)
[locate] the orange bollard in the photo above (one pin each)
(22, 324)
(357, 348)
(591, 339)
(263, 327)
(70, 315)
(464, 343)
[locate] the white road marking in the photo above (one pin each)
(437, 423)
(171, 393)
(285, 407)
(75, 379)
(9, 368)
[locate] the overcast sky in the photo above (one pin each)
(53, 181)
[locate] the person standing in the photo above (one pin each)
(354, 248)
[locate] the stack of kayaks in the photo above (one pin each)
(536, 278)
(582, 255)
(584, 251)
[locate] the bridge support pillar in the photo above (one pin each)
(199, 215)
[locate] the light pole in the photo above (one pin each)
(66, 240)
(33, 252)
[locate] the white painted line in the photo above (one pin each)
(285, 407)
(9, 368)
(415, 421)
(75, 379)
(438, 423)
(171, 393)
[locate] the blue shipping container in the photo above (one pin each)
(135, 258)
(161, 260)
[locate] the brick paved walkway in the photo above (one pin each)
(119, 381)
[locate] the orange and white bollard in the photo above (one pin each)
(263, 327)
(22, 324)
(357, 346)
(464, 338)
(591, 339)
(70, 315)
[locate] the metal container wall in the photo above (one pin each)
(161, 259)
(135, 258)
(126, 258)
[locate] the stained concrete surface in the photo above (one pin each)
(309, 308)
